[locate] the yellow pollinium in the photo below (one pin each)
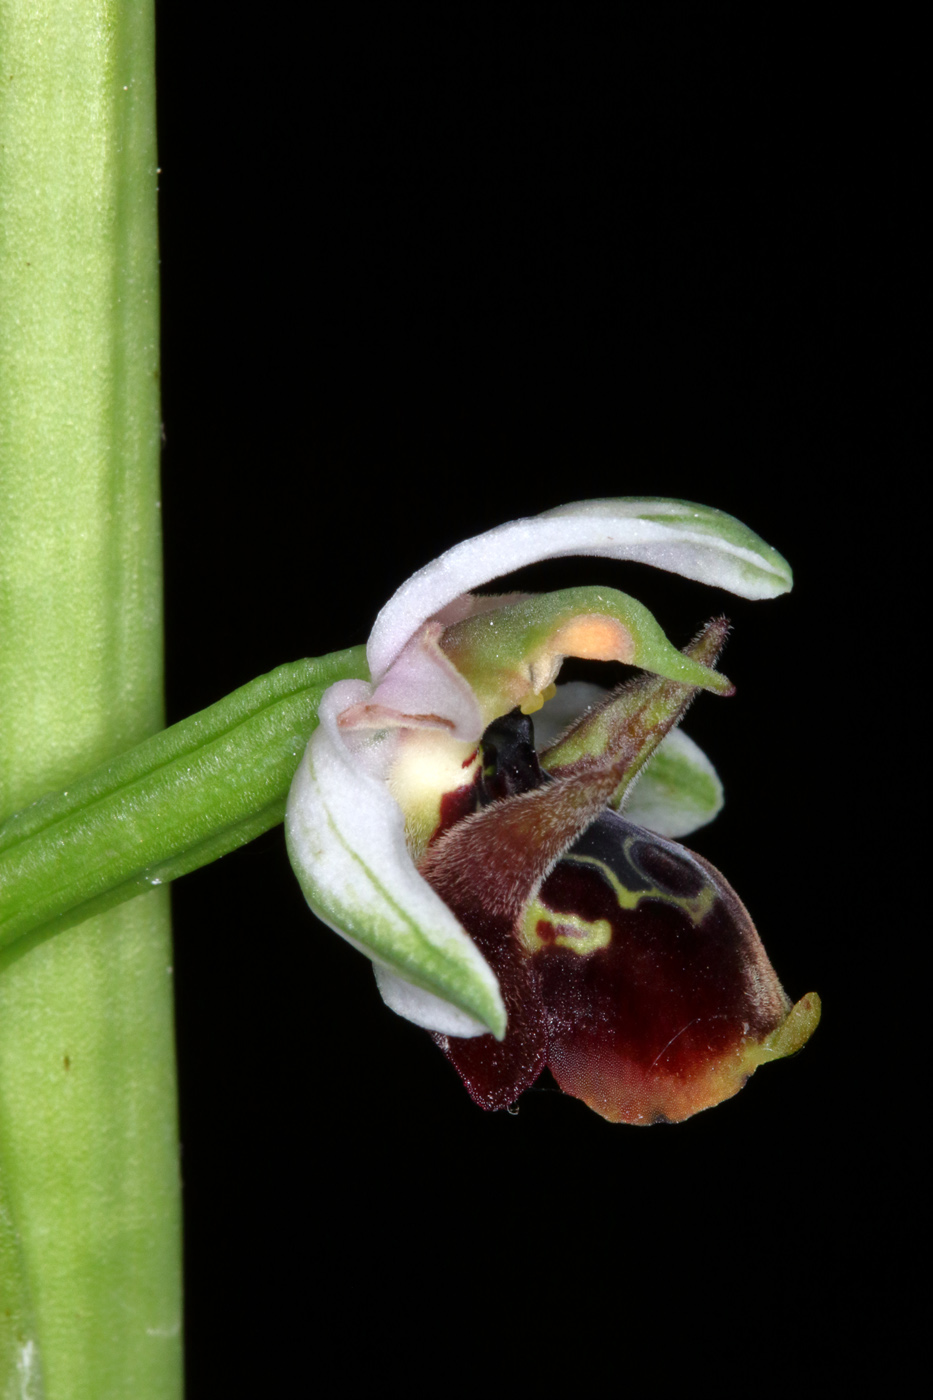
(534, 702)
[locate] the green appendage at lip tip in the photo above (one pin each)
(796, 1028)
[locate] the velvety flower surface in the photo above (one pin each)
(507, 903)
(631, 969)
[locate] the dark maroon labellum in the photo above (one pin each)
(632, 970)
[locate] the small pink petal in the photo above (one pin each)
(421, 689)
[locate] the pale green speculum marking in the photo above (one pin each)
(695, 906)
(589, 935)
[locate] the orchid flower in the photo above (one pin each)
(519, 896)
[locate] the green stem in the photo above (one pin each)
(172, 803)
(89, 1191)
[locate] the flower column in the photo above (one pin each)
(89, 1201)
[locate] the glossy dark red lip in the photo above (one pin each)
(628, 964)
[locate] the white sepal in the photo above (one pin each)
(569, 703)
(693, 540)
(424, 1008)
(346, 840)
(679, 790)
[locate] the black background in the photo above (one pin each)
(422, 274)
